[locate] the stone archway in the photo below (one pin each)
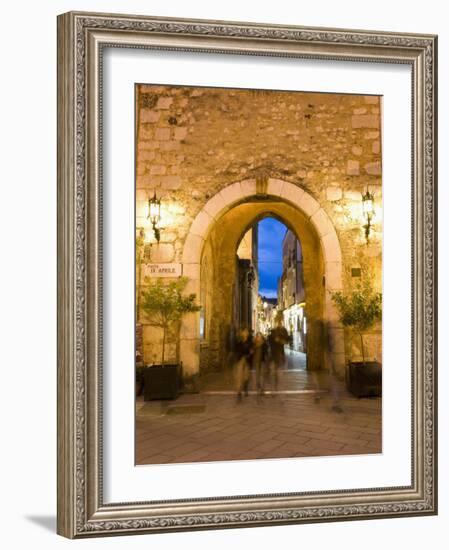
(321, 225)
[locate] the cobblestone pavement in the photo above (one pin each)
(308, 416)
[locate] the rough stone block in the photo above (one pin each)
(180, 133)
(201, 224)
(144, 182)
(146, 131)
(359, 111)
(141, 208)
(321, 222)
(232, 193)
(164, 103)
(190, 325)
(193, 287)
(357, 150)
(161, 253)
(292, 193)
(171, 182)
(146, 156)
(372, 135)
(332, 314)
(372, 99)
(141, 195)
(331, 247)
(170, 145)
(376, 147)
(373, 249)
(353, 168)
(149, 116)
(309, 205)
(148, 145)
(176, 208)
(189, 349)
(333, 275)
(248, 187)
(192, 249)
(192, 271)
(158, 169)
(162, 134)
(215, 206)
(274, 187)
(373, 168)
(365, 121)
(334, 193)
(141, 221)
(168, 237)
(353, 195)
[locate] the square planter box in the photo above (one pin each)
(365, 379)
(161, 382)
(140, 370)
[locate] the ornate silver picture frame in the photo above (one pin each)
(83, 510)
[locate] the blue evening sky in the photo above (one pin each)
(271, 234)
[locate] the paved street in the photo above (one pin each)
(307, 416)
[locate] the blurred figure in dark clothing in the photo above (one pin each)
(243, 352)
(260, 355)
(278, 338)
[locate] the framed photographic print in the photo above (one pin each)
(247, 274)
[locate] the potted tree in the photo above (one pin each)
(359, 310)
(165, 304)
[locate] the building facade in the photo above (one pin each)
(246, 286)
(292, 297)
(221, 159)
(267, 314)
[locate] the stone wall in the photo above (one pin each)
(193, 142)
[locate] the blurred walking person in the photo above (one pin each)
(334, 384)
(243, 352)
(260, 355)
(278, 339)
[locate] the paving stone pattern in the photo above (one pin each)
(213, 425)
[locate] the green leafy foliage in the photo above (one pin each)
(165, 303)
(359, 309)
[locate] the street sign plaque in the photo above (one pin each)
(163, 270)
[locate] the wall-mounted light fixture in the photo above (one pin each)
(154, 215)
(368, 212)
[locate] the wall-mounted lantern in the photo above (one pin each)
(368, 212)
(154, 215)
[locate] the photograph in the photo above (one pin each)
(258, 274)
(228, 286)
(247, 282)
